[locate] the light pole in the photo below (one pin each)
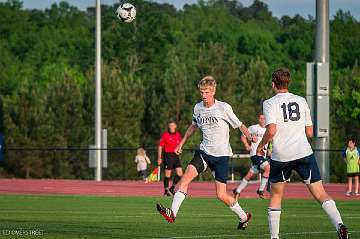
(98, 93)
(318, 88)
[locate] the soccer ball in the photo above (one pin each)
(126, 12)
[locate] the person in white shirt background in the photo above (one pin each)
(259, 164)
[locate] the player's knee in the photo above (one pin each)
(249, 175)
(267, 168)
(321, 196)
(276, 194)
(186, 178)
(221, 196)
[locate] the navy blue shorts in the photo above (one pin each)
(258, 163)
(306, 167)
(218, 165)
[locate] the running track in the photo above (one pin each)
(138, 188)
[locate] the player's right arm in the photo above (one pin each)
(343, 153)
(160, 148)
(159, 155)
(271, 126)
(190, 131)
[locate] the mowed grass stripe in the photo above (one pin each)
(135, 217)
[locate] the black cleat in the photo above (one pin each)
(260, 193)
(342, 232)
(166, 213)
(244, 225)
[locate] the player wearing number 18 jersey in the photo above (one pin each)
(288, 124)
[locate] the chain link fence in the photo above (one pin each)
(73, 163)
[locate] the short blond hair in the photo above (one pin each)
(207, 82)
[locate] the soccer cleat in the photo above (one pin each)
(260, 193)
(236, 194)
(342, 232)
(348, 194)
(166, 213)
(244, 225)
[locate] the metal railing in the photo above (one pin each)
(73, 163)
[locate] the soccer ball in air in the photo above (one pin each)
(126, 12)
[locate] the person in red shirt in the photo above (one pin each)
(166, 150)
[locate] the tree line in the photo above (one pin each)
(150, 69)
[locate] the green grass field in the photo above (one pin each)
(135, 217)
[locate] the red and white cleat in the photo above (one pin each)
(166, 213)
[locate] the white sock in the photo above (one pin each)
(242, 185)
(239, 211)
(274, 222)
(263, 183)
(332, 212)
(177, 200)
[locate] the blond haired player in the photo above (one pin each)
(213, 118)
(288, 124)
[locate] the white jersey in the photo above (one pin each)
(291, 114)
(214, 125)
(258, 131)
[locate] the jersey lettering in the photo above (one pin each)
(292, 110)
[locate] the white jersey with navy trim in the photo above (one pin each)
(258, 131)
(291, 114)
(214, 124)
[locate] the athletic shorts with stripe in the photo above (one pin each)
(218, 165)
(306, 167)
(258, 163)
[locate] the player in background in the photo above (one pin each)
(288, 124)
(166, 150)
(213, 118)
(259, 164)
(351, 157)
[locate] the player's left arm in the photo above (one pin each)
(245, 131)
(234, 121)
(309, 130)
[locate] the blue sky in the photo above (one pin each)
(278, 7)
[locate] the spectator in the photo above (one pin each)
(142, 160)
(351, 157)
